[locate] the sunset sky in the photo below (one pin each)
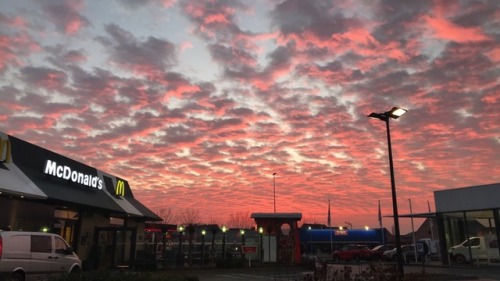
(198, 103)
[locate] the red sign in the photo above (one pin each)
(249, 249)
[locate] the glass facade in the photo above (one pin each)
(471, 237)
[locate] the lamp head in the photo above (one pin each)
(394, 113)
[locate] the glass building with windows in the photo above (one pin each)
(464, 214)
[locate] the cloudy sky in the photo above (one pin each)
(198, 103)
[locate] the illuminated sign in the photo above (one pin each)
(65, 172)
(120, 188)
(5, 151)
(340, 232)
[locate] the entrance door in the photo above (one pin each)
(269, 247)
(114, 246)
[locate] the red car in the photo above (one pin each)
(352, 252)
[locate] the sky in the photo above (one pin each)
(198, 103)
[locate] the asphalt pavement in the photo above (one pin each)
(291, 273)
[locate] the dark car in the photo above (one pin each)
(352, 252)
(408, 252)
(377, 252)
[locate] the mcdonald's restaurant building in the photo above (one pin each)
(95, 212)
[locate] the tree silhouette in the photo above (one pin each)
(241, 220)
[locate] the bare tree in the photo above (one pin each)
(213, 219)
(189, 216)
(165, 214)
(240, 220)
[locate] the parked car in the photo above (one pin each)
(408, 252)
(480, 248)
(352, 252)
(26, 256)
(377, 252)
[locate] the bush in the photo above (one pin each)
(374, 273)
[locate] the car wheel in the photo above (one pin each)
(17, 276)
(460, 259)
(75, 274)
(357, 258)
(336, 259)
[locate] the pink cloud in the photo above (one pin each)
(65, 15)
(444, 29)
(185, 45)
(216, 18)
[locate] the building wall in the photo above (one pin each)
(90, 220)
(470, 198)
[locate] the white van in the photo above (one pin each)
(26, 256)
(481, 248)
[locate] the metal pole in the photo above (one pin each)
(261, 247)
(394, 203)
(274, 191)
(431, 225)
(202, 248)
(223, 245)
(180, 248)
(413, 232)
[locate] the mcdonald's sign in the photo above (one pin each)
(120, 188)
(5, 151)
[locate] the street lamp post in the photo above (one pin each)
(261, 232)
(203, 232)
(224, 229)
(310, 240)
(394, 113)
(274, 191)
(180, 229)
(242, 232)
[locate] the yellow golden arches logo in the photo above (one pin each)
(5, 151)
(120, 188)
